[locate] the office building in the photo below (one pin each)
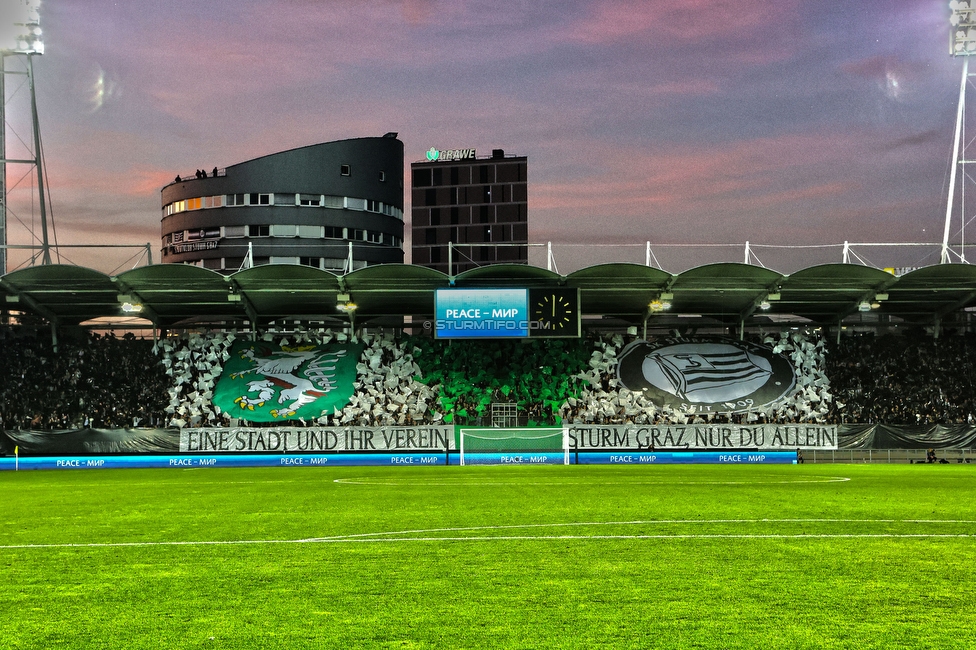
(469, 211)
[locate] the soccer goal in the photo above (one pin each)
(513, 446)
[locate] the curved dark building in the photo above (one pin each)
(302, 206)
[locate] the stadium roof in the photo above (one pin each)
(175, 296)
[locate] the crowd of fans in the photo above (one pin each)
(913, 379)
(93, 380)
(108, 381)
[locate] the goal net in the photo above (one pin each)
(513, 446)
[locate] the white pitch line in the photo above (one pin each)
(500, 538)
(412, 535)
(470, 482)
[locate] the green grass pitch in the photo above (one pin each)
(705, 556)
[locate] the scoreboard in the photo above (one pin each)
(507, 313)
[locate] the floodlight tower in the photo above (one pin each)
(962, 43)
(20, 38)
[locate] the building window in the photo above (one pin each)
(259, 199)
(333, 232)
(259, 231)
(309, 199)
(309, 261)
(345, 170)
(284, 230)
(421, 178)
(431, 235)
(235, 199)
(284, 199)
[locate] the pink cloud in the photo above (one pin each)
(682, 20)
(685, 178)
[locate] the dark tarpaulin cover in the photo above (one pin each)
(891, 436)
(91, 442)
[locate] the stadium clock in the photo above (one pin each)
(555, 313)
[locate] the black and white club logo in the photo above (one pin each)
(702, 374)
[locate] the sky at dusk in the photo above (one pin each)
(669, 121)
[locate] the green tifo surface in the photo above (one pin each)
(491, 557)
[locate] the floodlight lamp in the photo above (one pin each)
(964, 41)
(765, 305)
(20, 31)
(131, 308)
(962, 13)
(864, 306)
(346, 307)
(659, 305)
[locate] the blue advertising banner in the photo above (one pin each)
(683, 457)
(223, 460)
(185, 461)
(481, 313)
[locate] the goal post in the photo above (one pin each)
(513, 446)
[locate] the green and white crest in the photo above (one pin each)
(263, 382)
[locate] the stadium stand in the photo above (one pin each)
(104, 381)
